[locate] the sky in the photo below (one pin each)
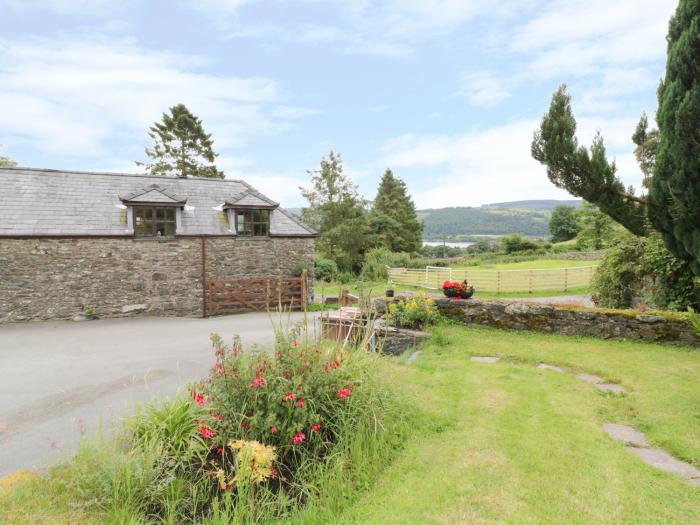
(446, 93)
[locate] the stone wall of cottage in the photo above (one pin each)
(44, 279)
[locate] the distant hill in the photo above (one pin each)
(545, 204)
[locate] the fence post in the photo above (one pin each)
(498, 281)
(425, 279)
(529, 282)
(566, 279)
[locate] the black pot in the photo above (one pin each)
(389, 293)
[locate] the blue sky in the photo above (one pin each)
(447, 93)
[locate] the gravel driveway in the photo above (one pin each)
(61, 379)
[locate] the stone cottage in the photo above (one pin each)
(121, 243)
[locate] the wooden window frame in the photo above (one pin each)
(253, 223)
(155, 221)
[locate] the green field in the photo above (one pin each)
(538, 264)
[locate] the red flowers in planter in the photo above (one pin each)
(455, 289)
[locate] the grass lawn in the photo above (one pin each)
(526, 445)
(538, 264)
(516, 445)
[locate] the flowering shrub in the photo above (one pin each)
(413, 312)
(462, 290)
(292, 401)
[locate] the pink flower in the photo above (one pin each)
(298, 438)
(300, 403)
(290, 397)
(273, 430)
(344, 392)
(200, 399)
(258, 382)
(316, 427)
(287, 373)
(273, 473)
(206, 432)
(296, 344)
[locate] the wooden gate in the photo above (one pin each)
(254, 293)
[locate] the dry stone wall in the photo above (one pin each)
(43, 279)
(570, 321)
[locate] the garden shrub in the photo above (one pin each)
(376, 261)
(517, 243)
(640, 270)
(325, 269)
(413, 312)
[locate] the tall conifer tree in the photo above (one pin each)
(182, 147)
(393, 218)
(674, 192)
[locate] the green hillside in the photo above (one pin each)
(464, 222)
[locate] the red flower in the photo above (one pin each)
(290, 397)
(298, 438)
(287, 373)
(307, 364)
(206, 432)
(220, 451)
(258, 382)
(317, 426)
(344, 392)
(218, 417)
(296, 344)
(200, 399)
(273, 430)
(300, 403)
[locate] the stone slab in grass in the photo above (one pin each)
(484, 359)
(590, 378)
(663, 460)
(412, 358)
(610, 387)
(628, 435)
(544, 366)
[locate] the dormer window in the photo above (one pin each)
(153, 212)
(253, 223)
(154, 222)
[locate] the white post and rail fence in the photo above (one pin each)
(499, 281)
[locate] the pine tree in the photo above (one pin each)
(337, 211)
(393, 218)
(181, 147)
(674, 192)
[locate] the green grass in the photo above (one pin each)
(500, 443)
(527, 446)
(538, 264)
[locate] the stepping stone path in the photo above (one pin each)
(610, 387)
(590, 378)
(636, 442)
(484, 359)
(543, 366)
(412, 358)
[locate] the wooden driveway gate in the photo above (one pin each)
(254, 293)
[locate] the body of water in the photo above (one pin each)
(450, 244)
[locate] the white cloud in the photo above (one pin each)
(482, 88)
(77, 96)
(494, 164)
(84, 7)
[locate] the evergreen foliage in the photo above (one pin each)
(182, 147)
(338, 213)
(581, 172)
(564, 223)
(393, 218)
(647, 142)
(674, 192)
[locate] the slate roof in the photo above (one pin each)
(43, 202)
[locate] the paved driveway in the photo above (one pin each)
(60, 379)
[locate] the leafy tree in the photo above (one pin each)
(338, 212)
(597, 230)
(564, 223)
(393, 218)
(674, 192)
(181, 147)
(647, 142)
(581, 172)
(7, 162)
(517, 243)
